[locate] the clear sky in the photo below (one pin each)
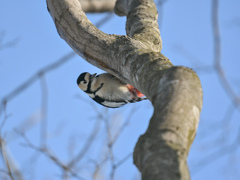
(186, 30)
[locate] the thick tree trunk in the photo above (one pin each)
(175, 92)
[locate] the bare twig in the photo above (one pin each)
(220, 124)
(217, 56)
(124, 159)
(9, 172)
(24, 126)
(223, 150)
(9, 44)
(112, 161)
(104, 19)
(125, 124)
(35, 77)
(160, 4)
(5, 117)
(29, 165)
(12, 168)
(220, 153)
(46, 152)
(111, 156)
(99, 166)
(87, 145)
(96, 171)
(197, 64)
(111, 139)
(44, 110)
(5, 45)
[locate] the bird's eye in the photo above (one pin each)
(84, 82)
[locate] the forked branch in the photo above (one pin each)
(175, 92)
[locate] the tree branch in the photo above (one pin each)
(175, 92)
(33, 78)
(142, 23)
(107, 52)
(217, 57)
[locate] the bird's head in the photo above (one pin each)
(84, 79)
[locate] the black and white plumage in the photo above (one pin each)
(108, 90)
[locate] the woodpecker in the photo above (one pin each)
(108, 90)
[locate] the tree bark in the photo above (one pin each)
(175, 91)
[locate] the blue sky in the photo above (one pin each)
(186, 32)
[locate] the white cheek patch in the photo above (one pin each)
(82, 86)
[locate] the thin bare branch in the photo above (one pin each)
(35, 77)
(87, 145)
(5, 116)
(45, 151)
(220, 125)
(189, 56)
(8, 44)
(100, 165)
(160, 4)
(124, 125)
(124, 159)
(217, 56)
(9, 172)
(13, 171)
(220, 153)
(95, 172)
(27, 124)
(110, 154)
(44, 105)
(104, 20)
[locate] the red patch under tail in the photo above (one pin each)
(134, 90)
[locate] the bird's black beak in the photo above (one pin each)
(93, 76)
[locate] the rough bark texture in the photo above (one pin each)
(175, 92)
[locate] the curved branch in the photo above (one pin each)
(175, 92)
(142, 23)
(162, 151)
(107, 52)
